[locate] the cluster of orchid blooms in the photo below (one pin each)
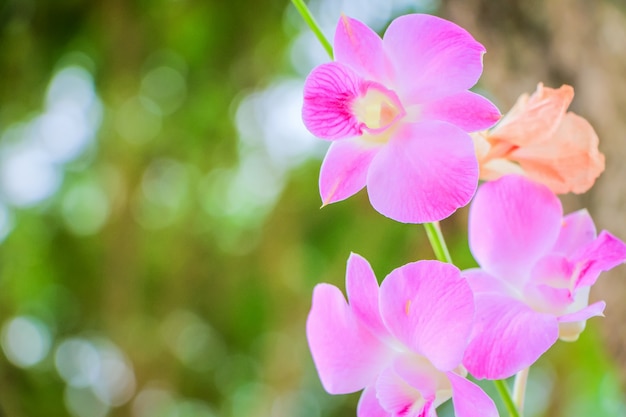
(403, 123)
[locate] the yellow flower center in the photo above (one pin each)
(378, 109)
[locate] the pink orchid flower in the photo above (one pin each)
(536, 269)
(398, 111)
(539, 138)
(402, 343)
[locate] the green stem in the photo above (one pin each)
(310, 20)
(433, 231)
(503, 390)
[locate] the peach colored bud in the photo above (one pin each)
(540, 139)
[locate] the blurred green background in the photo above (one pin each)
(159, 213)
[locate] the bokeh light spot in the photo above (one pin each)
(116, 382)
(138, 120)
(166, 87)
(98, 365)
(164, 188)
(82, 402)
(25, 341)
(71, 85)
(27, 175)
(77, 362)
(72, 117)
(192, 341)
(271, 120)
(154, 402)
(85, 208)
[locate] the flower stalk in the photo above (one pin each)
(437, 242)
(503, 390)
(312, 23)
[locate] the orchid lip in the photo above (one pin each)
(378, 108)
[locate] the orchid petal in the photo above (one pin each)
(577, 230)
(534, 119)
(426, 172)
(469, 111)
(360, 48)
(344, 170)
(433, 57)
(428, 307)
(419, 373)
(572, 325)
(512, 222)
(483, 283)
(550, 286)
(554, 270)
(399, 398)
(604, 253)
(329, 92)
(593, 310)
(347, 355)
(368, 404)
(362, 289)
(568, 161)
(469, 399)
(548, 299)
(508, 336)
